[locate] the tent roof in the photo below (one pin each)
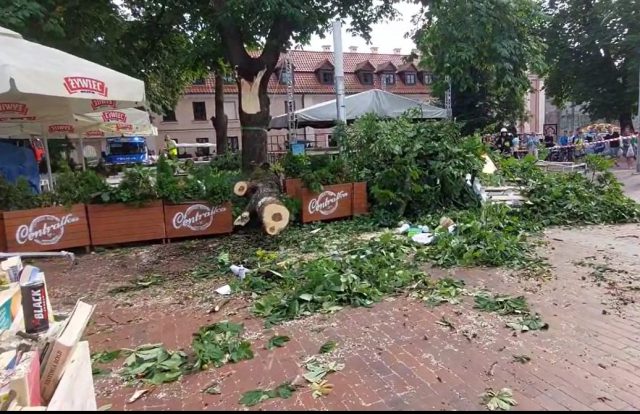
(381, 103)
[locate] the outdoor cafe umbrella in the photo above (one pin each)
(41, 84)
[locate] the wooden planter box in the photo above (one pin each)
(121, 223)
(197, 219)
(335, 201)
(43, 229)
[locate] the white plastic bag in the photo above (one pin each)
(630, 153)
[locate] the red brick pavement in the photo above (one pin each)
(398, 358)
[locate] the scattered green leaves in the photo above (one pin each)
(277, 341)
(153, 364)
(528, 322)
(316, 370)
(328, 347)
(437, 292)
(502, 304)
(255, 397)
(500, 400)
(220, 343)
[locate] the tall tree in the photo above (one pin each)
(274, 24)
(594, 53)
(488, 49)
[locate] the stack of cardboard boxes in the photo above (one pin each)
(44, 364)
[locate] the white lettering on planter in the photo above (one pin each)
(198, 217)
(44, 230)
(327, 202)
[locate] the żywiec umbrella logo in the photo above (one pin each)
(79, 84)
(44, 230)
(61, 128)
(16, 108)
(327, 202)
(124, 127)
(15, 111)
(101, 103)
(198, 217)
(94, 134)
(114, 116)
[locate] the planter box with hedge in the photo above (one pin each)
(325, 188)
(195, 204)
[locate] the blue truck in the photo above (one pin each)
(126, 150)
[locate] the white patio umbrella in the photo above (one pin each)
(40, 84)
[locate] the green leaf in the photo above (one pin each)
(106, 356)
(277, 341)
(223, 259)
(328, 347)
(306, 297)
(251, 398)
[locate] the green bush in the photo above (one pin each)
(19, 196)
(413, 167)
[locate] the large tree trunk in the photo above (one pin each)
(626, 122)
(220, 120)
(264, 191)
(254, 117)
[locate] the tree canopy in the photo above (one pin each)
(147, 39)
(488, 48)
(594, 55)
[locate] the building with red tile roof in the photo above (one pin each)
(313, 83)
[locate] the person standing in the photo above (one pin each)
(171, 146)
(532, 145)
(515, 146)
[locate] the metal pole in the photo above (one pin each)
(48, 158)
(339, 68)
(84, 165)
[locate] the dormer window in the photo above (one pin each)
(325, 72)
(410, 78)
(199, 81)
(366, 78)
(364, 71)
(326, 77)
(229, 79)
(388, 78)
(426, 77)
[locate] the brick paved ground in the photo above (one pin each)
(396, 356)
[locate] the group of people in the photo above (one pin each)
(618, 146)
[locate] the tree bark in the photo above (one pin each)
(254, 116)
(220, 120)
(626, 122)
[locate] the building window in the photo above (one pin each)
(286, 103)
(202, 152)
(366, 78)
(199, 81)
(410, 78)
(388, 78)
(232, 144)
(428, 78)
(170, 116)
(229, 79)
(199, 111)
(326, 77)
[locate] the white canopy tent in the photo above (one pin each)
(379, 102)
(39, 85)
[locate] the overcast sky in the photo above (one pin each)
(386, 36)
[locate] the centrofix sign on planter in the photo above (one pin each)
(334, 201)
(197, 219)
(42, 229)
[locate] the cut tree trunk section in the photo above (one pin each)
(264, 192)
